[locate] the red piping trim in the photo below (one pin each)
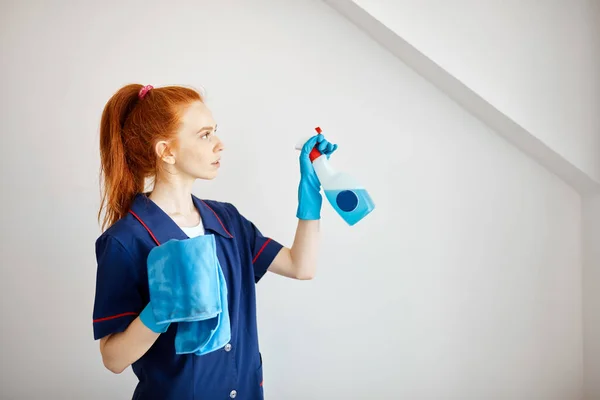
(145, 226)
(114, 316)
(219, 219)
(261, 250)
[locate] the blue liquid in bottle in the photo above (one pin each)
(351, 204)
(347, 196)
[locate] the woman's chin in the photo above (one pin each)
(208, 176)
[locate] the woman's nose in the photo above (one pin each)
(219, 146)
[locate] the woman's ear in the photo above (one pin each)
(164, 153)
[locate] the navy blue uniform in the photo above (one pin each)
(235, 371)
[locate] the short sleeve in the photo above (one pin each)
(263, 248)
(117, 301)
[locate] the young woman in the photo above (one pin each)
(169, 134)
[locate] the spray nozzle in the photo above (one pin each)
(315, 153)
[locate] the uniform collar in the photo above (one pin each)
(163, 228)
(210, 219)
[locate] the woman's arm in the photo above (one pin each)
(299, 262)
(120, 350)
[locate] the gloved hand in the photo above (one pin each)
(309, 195)
(147, 318)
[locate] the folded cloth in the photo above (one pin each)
(187, 286)
(202, 337)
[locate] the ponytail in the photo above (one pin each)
(133, 120)
(121, 183)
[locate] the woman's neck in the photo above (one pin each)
(175, 199)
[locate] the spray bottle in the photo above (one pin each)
(347, 197)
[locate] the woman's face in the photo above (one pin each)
(196, 151)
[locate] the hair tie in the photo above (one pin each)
(144, 90)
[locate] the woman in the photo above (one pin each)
(169, 134)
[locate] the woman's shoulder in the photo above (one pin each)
(124, 233)
(227, 215)
(222, 209)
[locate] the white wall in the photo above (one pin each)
(465, 283)
(536, 61)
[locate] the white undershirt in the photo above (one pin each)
(194, 231)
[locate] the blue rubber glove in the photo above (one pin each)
(309, 190)
(147, 318)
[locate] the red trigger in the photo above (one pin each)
(315, 153)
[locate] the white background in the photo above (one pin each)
(464, 284)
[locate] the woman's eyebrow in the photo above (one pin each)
(207, 127)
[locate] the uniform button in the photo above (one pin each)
(233, 394)
(228, 347)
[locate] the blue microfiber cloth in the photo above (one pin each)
(210, 335)
(187, 286)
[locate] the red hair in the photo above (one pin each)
(129, 129)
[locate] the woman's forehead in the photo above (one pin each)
(197, 115)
